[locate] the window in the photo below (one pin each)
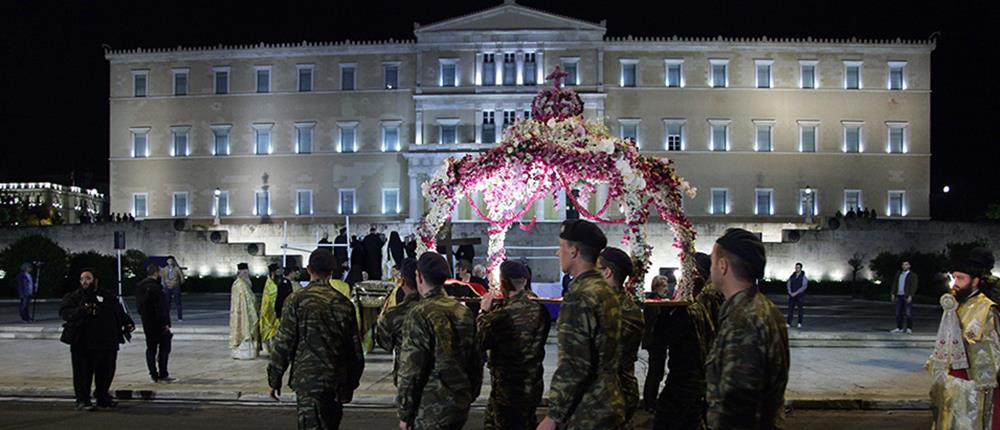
(489, 133)
(348, 136)
(675, 134)
(180, 81)
(391, 73)
(896, 77)
(807, 74)
(262, 138)
(719, 136)
(347, 203)
(179, 138)
(509, 69)
(509, 116)
(764, 73)
(223, 203)
(720, 73)
(347, 77)
(390, 200)
(390, 136)
(764, 138)
(897, 203)
(180, 207)
(897, 137)
(303, 202)
(628, 72)
(449, 73)
(221, 80)
(448, 134)
(675, 73)
(808, 197)
(140, 142)
(852, 136)
(852, 200)
(629, 129)
(305, 77)
(808, 135)
(571, 66)
(763, 201)
(263, 78)
(139, 81)
(220, 135)
(489, 77)
(448, 130)
(852, 75)
(304, 137)
(530, 73)
(139, 207)
(720, 201)
(262, 203)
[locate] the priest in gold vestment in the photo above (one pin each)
(244, 336)
(966, 356)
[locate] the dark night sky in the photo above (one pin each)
(55, 79)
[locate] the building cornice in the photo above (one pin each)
(808, 44)
(261, 50)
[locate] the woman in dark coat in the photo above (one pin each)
(358, 260)
(396, 248)
(95, 325)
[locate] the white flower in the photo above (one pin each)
(606, 146)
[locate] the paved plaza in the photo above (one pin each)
(844, 357)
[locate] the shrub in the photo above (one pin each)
(929, 267)
(104, 266)
(36, 248)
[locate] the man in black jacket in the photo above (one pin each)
(152, 304)
(373, 254)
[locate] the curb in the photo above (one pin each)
(388, 400)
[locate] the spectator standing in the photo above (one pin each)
(173, 278)
(97, 324)
(155, 315)
(25, 290)
(903, 289)
(796, 286)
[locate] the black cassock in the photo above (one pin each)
(373, 256)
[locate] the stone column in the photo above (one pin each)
(520, 68)
(418, 130)
(415, 197)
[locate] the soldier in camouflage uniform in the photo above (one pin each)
(318, 337)
(687, 332)
(389, 332)
(585, 392)
(616, 266)
(513, 333)
(747, 368)
(440, 371)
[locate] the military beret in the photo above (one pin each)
(746, 246)
(585, 232)
(514, 270)
(242, 266)
(273, 266)
(619, 259)
(979, 261)
(703, 262)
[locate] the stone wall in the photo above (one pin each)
(823, 252)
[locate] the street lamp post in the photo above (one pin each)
(218, 210)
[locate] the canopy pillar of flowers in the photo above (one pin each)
(557, 149)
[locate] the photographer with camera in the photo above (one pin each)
(95, 325)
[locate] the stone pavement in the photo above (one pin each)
(843, 358)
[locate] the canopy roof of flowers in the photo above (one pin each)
(557, 149)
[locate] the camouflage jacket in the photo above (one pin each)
(514, 336)
(389, 332)
(747, 368)
(440, 371)
(318, 337)
(633, 326)
(711, 300)
(585, 391)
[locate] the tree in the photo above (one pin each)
(104, 267)
(857, 262)
(40, 249)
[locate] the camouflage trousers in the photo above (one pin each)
(318, 411)
(509, 417)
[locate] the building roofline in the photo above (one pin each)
(419, 28)
(113, 54)
(929, 43)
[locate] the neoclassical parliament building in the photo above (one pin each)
(768, 130)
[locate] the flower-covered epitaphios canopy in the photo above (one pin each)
(557, 149)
